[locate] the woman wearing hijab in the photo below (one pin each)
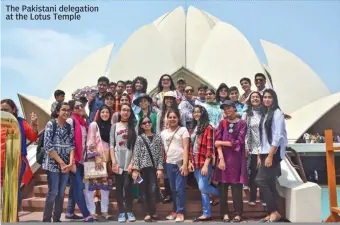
(98, 140)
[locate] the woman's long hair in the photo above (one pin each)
(131, 127)
(12, 104)
(203, 121)
(140, 129)
(54, 114)
(270, 114)
(250, 112)
(143, 81)
(160, 87)
(174, 107)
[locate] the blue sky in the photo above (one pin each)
(37, 54)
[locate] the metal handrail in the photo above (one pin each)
(298, 167)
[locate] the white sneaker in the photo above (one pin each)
(251, 203)
(179, 218)
(171, 216)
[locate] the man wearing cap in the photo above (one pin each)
(180, 86)
(144, 101)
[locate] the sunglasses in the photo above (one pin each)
(147, 122)
(209, 93)
(189, 90)
(223, 90)
(78, 106)
(165, 79)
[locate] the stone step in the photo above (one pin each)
(37, 204)
(192, 194)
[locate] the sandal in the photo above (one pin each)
(265, 219)
(147, 219)
(226, 220)
(277, 219)
(237, 220)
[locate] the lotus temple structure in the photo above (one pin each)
(202, 49)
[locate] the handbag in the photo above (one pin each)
(90, 171)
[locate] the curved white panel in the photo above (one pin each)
(305, 117)
(287, 70)
(37, 105)
(146, 54)
(85, 73)
(213, 19)
(198, 29)
(226, 57)
(172, 29)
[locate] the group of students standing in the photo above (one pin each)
(214, 136)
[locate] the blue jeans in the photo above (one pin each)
(206, 190)
(22, 171)
(55, 197)
(177, 184)
(76, 194)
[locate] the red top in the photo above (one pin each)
(205, 147)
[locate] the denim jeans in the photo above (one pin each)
(22, 171)
(206, 190)
(76, 194)
(177, 184)
(55, 197)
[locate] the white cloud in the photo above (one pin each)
(44, 56)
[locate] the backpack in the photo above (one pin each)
(40, 148)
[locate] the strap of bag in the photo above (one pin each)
(101, 142)
(172, 137)
(149, 150)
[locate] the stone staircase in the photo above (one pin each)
(35, 194)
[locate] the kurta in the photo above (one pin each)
(98, 150)
(234, 157)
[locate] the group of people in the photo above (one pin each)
(223, 139)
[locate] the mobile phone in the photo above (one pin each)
(139, 179)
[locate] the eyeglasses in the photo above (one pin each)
(189, 90)
(231, 125)
(147, 122)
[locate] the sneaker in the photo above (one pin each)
(251, 203)
(121, 218)
(131, 217)
(263, 203)
(172, 216)
(179, 218)
(245, 187)
(73, 217)
(56, 220)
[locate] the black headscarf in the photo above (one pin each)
(104, 126)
